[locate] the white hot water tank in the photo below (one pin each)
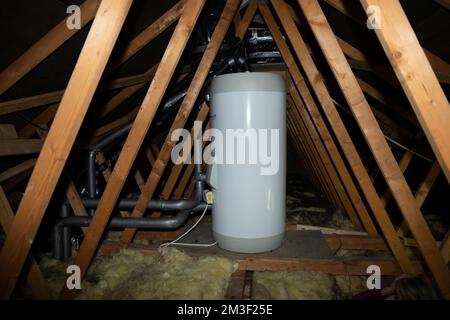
(248, 209)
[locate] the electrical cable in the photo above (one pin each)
(398, 144)
(176, 243)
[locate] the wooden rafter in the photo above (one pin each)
(416, 77)
(422, 193)
(327, 162)
(35, 277)
(44, 47)
(318, 124)
(136, 136)
(306, 127)
(26, 103)
(403, 164)
(345, 141)
(80, 90)
(193, 91)
(21, 167)
(147, 35)
(444, 3)
(348, 8)
(318, 160)
(246, 20)
(376, 141)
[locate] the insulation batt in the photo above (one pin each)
(293, 285)
(304, 205)
(305, 285)
(351, 285)
(131, 275)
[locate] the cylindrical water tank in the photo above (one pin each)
(249, 110)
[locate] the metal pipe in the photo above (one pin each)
(93, 150)
(165, 223)
(91, 177)
(67, 246)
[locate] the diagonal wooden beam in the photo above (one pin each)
(333, 163)
(329, 177)
(359, 60)
(425, 187)
(348, 8)
(422, 193)
(147, 35)
(444, 3)
(196, 85)
(176, 170)
(26, 103)
(80, 90)
(132, 48)
(323, 180)
(314, 114)
(44, 47)
(317, 144)
(403, 164)
(376, 141)
(21, 167)
(34, 277)
(307, 150)
(9, 147)
(445, 247)
(317, 82)
(246, 20)
(416, 77)
(136, 136)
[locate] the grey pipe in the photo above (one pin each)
(93, 150)
(155, 204)
(165, 223)
(193, 204)
(67, 247)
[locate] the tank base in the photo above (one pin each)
(246, 245)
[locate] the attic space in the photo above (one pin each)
(224, 149)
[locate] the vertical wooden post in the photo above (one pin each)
(375, 139)
(80, 90)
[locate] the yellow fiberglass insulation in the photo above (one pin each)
(170, 275)
(351, 285)
(293, 285)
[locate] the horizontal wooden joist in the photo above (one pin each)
(11, 147)
(56, 96)
(265, 263)
(13, 171)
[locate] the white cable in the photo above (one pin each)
(175, 243)
(398, 144)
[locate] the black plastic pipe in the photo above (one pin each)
(164, 223)
(94, 149)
